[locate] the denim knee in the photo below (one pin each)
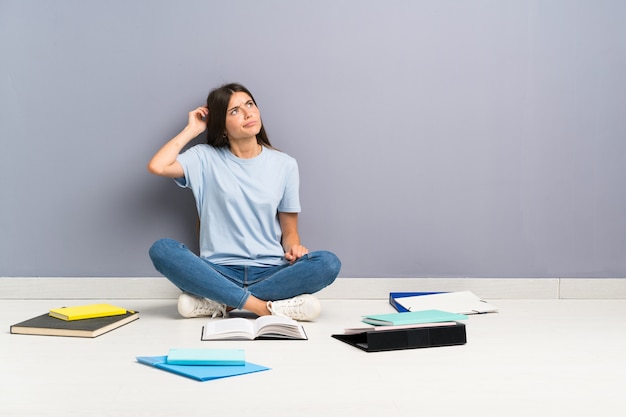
(160, 248)
(330, 265)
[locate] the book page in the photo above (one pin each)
(234, 328)
(276, 326)
(356, 330)
(269, 320)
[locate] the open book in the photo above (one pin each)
(264, 327)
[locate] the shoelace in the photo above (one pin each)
(204, 306)
(289, 308)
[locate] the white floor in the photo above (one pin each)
(534, 357)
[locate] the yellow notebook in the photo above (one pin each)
(89, 311)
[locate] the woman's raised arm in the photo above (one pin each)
(164, 162)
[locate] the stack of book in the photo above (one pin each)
(203, 364)
(406, 330)
(90, 320)
(423, 319)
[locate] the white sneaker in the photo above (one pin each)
(304, 307)
(191, 306)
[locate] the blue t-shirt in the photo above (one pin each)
(238, 201)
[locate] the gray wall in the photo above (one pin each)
(435, 138)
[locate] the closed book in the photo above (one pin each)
(89, 311)
(45, 325)
(200, 372)
(412, 317)
(353, 330)
(215, 357)
(412, 338)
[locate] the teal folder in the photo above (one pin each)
(412, 317)
(215, 357)
(200, 372)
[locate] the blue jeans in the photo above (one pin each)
(233, 284)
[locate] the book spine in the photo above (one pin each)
(417, 338)
(399, 308)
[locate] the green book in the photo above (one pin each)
(46, 325)
(412, 317)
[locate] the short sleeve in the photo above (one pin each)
(290, 203)
(191, 161)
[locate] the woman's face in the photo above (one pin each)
(243, 119)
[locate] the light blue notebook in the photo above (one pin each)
(412, 317)
(215, 357)
(200, 372)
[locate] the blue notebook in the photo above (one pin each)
(200, 372)
(215, 357)
(412, 317)
(462, 302)
(395, 299)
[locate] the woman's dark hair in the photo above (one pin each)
(217, 102)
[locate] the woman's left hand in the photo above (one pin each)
(295, 252)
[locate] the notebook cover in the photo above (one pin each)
(89, 311)
(462, 302)
(45, 325)
(423, 337)
(393, 296)
(412, 317)
(215, 357)
(200, 372)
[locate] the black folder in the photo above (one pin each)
(421, 337)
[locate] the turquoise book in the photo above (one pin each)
(412, 317)
(215, 357)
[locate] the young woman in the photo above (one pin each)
(247, 197)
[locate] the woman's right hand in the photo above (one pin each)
(197, 119)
